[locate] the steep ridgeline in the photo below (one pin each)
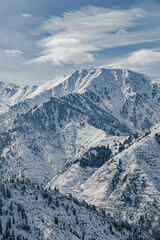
(76, 172)
(126, 95)
(129, 179)
(88, 107)
(80, 133)
(10, 94)
(120, 95)
(37, 144)
(127, 185)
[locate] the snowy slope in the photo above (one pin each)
(30, 212)
(10, 94)
(39, 143)
(69, 133)
(39, 140)
(137, 167)
(127, 185)
(125, 94)
(77, 171)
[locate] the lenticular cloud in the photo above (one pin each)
(77, 36)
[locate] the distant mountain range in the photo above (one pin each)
(94, 135)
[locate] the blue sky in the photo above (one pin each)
(41, 39)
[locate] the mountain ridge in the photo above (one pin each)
(93, 134)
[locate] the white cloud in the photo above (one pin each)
(13, 52)
(142, 58)
(77, 35)
(64, 50)
(26, 15)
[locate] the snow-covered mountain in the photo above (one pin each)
(138, 156)
(45, 133)
(86, 134)
(127, 182)
(124, 94)
(129, 175)
(11, 94)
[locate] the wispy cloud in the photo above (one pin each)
(13, 52)
(142, 58)
(76, 36)
(26, 15)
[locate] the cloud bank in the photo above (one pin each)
(142, 58)
(77, 36)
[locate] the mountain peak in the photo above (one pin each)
(87, 79)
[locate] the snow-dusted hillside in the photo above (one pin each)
(129, 179)
(85, 134)
(30, 212)
(39, 143)
(11, 94)
(127, 184)
(77, 171)
(38, 140)
(141, 158)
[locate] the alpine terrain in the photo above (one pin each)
(80, 158)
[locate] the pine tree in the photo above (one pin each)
(49, 200)
(13, 220)
(11, 207)
(13, 235)
(83, 235)
(9, 223)
(8, 194)
(56, 220)
(0, 227)
(57, 202)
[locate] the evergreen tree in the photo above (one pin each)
(56, 220)
(11, 207)
(57, 202)
(83, 235)
(13, 220)
(0, 227)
